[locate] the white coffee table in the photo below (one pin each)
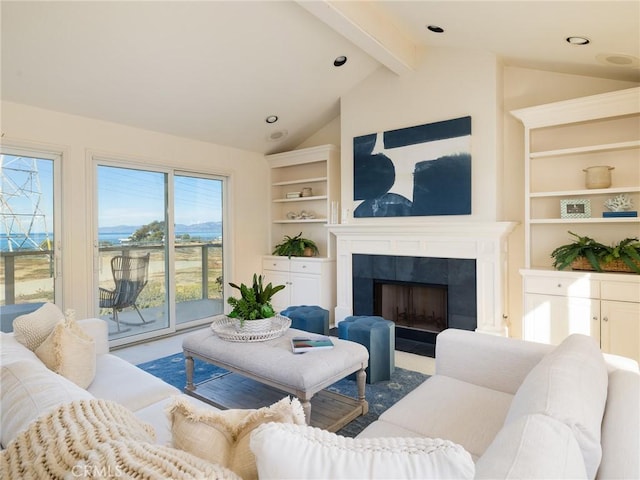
(273, 363)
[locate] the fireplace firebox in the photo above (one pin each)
(412, 305)
(422, 295)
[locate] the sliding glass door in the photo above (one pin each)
(198, 253)
(160, 251)
(132, 250)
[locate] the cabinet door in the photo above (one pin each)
(621, 328)
(280, 300)
(550, 318)
(306, 289)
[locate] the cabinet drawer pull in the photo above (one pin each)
(559, 285)
(304, 266)
(595, 319)
(606, 319)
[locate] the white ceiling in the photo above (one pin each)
(214, 70)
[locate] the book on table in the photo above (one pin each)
(307, 344)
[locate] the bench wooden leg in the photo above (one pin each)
(188, 360)
(306, 407)
(361, 377)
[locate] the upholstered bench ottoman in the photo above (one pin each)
(378, 335)
(310, 318)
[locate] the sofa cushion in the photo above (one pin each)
(120, 381)
(533, 446)
(450, 408)
(222, 437)
(286, 451)
(69, 352)
(620, 427)
(380, 428)
(570, 385)
(33, 328)
(28, 390)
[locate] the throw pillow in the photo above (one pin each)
(28, 390)
(222, 437)
(69, 352)
(33, 328)
(570, 385)
(534, 446)
(298, 451)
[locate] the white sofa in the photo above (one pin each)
(115, 379)
(485, 397)
(527, 410)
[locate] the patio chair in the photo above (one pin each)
(130, 277)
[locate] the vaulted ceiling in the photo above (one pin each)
(214, 70)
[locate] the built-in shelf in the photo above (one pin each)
(316, 172)
(306, 220)
(300, 199)
(616, 220)
(562, 140)
(579, 193)
(586, 149)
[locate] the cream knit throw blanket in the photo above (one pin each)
(98, 439)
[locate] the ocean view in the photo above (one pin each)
(110, 238)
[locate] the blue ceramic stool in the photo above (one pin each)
(309, 318)
(378, 335)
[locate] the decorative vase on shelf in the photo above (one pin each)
(598, 176)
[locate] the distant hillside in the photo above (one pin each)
(214, 227)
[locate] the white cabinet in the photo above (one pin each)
(620, 328)
(315, 172)
(558, 304)
(308, 281)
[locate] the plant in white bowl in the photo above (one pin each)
(254, 304)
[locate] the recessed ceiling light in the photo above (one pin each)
(277, 135)
(271, 119)
(578, 40)
(339, 61)
(435, 29)
(618, 59)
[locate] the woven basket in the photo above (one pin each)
(581, 263)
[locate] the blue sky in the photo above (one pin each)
(125, 196)
(136, 197)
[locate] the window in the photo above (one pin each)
(174, 220)
(29, 232)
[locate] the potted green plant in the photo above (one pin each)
(585, 253)
(254, 302)
(296, 246)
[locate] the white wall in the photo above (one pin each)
(449, 83)
(77, 137)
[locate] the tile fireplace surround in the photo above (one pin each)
(486, 242)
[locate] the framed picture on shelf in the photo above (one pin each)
(575, 208)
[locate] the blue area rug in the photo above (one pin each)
(380, 395)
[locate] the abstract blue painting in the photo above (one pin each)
(415, 171)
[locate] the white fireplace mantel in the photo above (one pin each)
(486, 242)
